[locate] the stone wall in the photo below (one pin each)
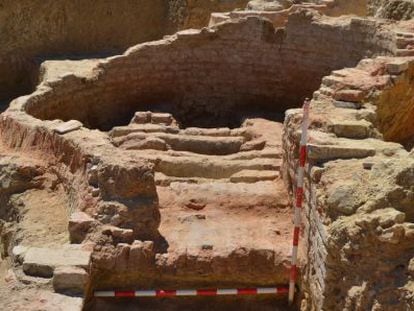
(278, 17)
(33, 30)
(356, 232)
(343, 7)
(186, 14)
(206, 74)
(70, 28)
(83, 160)
(391, 9)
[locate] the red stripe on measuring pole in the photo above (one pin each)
(296, 232)
(299, 197)
(302, 156)
(247, 291)
(299, 200)
(194, 292)
(166, 293)
(283, 290)
(206, 292)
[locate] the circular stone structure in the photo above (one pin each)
(214, 76)
(178, 171)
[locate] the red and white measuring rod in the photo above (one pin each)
(194, 292)
(299, 200)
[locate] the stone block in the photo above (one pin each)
(353, 96)
(119, 234)
(405, 34)
(347, 105)
(405, 52)
(397, 66)
(141, 254)
(18, 253)
(162, 118)
(352, 129)
(252, 176)
(257, 144)
(141, 117)
(68, 126)
(153, 143)
(360, 22)
(331, 152)
(79, 225)
(42, 262)
(70, 280)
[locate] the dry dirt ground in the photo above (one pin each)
(156, 205)
(39, 206)
(41, 220)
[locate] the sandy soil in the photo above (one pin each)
(45, 220)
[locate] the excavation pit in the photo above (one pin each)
(179, 172)
(212, 77)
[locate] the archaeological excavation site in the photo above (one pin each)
(207, 155)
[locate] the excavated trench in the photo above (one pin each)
(214, 140)
(181, 145)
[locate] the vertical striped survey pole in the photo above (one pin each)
(299, 200)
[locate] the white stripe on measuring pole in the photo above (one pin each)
(298, 217)
(225, 292)
(294, 255)
(301, 173)
(305, 123)
(145, 293)
(186, 292)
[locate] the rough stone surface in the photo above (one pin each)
(71, 280)
(112, 27)
(68, 126)
(393, 9)
(253, 176)
(43, 261)
(79, 225)
(356, 215)
(196, 190)
(159, 73)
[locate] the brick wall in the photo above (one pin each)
(314, 232)
(349, 263)
(211, 73)
(33, 29)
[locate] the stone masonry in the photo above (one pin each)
(173, 165)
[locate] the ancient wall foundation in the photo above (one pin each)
(345, 223)
(160, 75)
(29, 35)
(175, 170)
